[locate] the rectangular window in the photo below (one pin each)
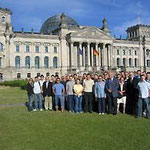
(117, 51)
(124, 52)
(55, 49)
(37, 49)
(46, 49)
(27, 48)
(28, 75)
(17, 48)
(18, 75)
(135, 52)
(0, 62)
(130, 52)
(1, 76)
(148, 63)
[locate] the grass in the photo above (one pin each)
(23, 130)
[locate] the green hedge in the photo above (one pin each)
(15, 83)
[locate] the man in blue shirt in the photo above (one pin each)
(144, 91)
(59, 90)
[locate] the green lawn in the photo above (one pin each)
(23, 130)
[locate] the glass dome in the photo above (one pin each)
(53, 23)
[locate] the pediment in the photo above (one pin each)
(91, 32)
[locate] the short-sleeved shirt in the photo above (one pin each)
(88, 85)
(37, 88)
(144, 88)
(78, 88)
(69, 87)
(58, 88)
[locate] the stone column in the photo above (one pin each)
(84, 49)
(97, 56)
(80, 56)
(104, 56)
(32, 58)
(88, 54)
(72, 55)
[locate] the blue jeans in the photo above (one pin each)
(101, 105)
(78, 104)
(61, 98)
(38, 97)
(30, 98)
(140, 103)
(71, 102)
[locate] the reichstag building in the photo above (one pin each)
(62, 46)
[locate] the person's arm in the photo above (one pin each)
(95, 90)
(54, 89)
(67, 88)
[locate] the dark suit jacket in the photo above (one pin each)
(124, 89)
(49, 90)
(113, 86)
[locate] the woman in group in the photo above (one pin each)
(30, 93)
(78, 89)
(100, 95)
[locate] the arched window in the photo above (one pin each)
(118, 62)
(1, 47)
(147, 52)
(55, 62)
(3, 19)
(27, 62)
(46, 62)
(135, 62)
(37, 62)
(124, 62)
(17, 61)
(130, 62)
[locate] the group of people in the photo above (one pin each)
(92, 92)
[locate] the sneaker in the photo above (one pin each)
(102, 113)
(41, 109)
(34, 109)
(99, 113)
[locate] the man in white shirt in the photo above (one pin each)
(144, 91)
(88, 93)
(37, 94)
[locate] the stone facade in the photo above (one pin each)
(67, 47)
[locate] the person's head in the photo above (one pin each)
(78, 81)
(111, 74)
(47, 78)
(131, 74)
(30, 80)
(42, 77)
(118, 76)
(148, 75)
(105, 75)
(126, 75)
(100, 78)
(138, 72)
(142, 77)
(122, 80)
(58, 80)
(36, 79)
(88, 76)
(96, 76)
(70, 78)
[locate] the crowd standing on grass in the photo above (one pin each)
(107, 93)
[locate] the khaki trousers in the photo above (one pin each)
(48, 103)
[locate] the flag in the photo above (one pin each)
(80, 52)
(95, 52)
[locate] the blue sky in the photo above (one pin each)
(120, 14)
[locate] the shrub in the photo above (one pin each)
(15, 83)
